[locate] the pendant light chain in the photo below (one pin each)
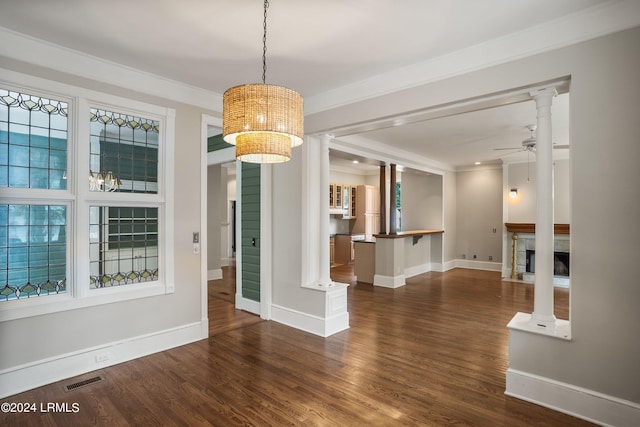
(264, 43)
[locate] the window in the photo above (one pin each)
(33, 228)
(109, 199)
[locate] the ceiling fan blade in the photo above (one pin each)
(508, 148)
(561, 146)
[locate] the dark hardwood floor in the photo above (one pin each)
(431, 353)
(222, 312)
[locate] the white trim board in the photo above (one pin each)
(579, 402)
(247, 304)
(215, 274)
(316, 325)
(35, 374)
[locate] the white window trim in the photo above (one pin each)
(78, 198)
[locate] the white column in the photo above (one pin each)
(324, 268)
(543, 294)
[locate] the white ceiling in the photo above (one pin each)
(320, 48)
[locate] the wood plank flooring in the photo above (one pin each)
(223, 315)
(431, 353)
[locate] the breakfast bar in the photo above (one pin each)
(388, 259)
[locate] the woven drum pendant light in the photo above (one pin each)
(263, 121)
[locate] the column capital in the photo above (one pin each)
(546, 94)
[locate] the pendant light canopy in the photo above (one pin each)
(263, 121)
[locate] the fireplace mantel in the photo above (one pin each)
(530, 227)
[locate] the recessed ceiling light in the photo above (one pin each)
(477, 163)
(355, 162)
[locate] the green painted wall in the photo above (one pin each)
(215, 143)
(250, 231)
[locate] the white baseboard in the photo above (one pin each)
(35, 374)
(316, 325)
(478, 265)
(214, 274)
(247, 304)
(388, 281)
(415, 270)
(576, 401)
(225, 262)
(449, 265)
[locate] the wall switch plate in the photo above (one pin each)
(196, 237)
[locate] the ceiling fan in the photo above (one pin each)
(529, 144)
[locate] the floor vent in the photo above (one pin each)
(82, 383)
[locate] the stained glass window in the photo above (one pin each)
(33, 141)
(123, 245)
(125, 148)
(33, 258)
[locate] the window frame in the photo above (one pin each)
(78, 198)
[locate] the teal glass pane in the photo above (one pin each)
(4, 176)
(57, 234)
(4, 154)
(38, 215)
(18, 215)
(38, 256)
(18, 257)
(17, 276)
(18, 134)
(58, 143)
(38, 234)
(39, 157)
(3, 234)
(39, 138)
(38, 178)
(3, 258)
(57, 254)
(57, 180)
(19, 155)
(38, 275)
(58, 215)
(18, 177)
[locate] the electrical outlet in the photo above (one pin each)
(490, 258)
(475, 256)
(102, 357)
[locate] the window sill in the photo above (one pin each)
(522, 322)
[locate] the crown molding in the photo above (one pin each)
(34, 51)
(361, 146)
(610, 17)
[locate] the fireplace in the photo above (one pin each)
(560, 263)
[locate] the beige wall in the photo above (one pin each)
(479, 213)
(523, 177)
(421, 200)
